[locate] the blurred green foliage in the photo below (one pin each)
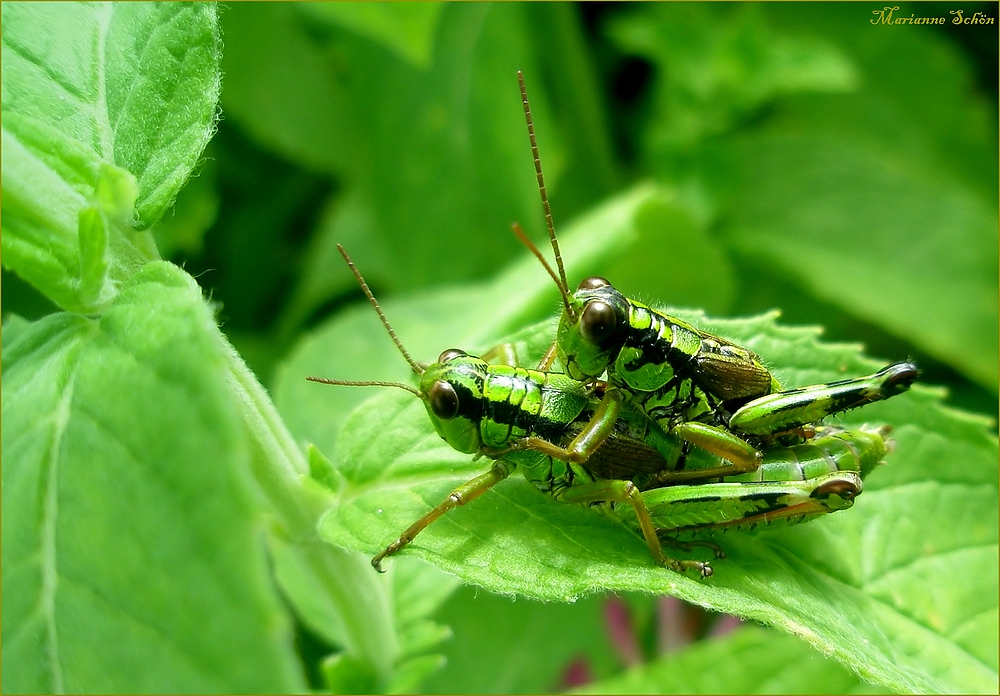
(789, 155)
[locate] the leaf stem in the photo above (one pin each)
(281, 473)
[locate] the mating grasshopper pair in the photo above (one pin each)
(685, 431)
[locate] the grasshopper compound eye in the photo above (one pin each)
(598, 323)
(443, 400)
(593, 283)
(451, 354)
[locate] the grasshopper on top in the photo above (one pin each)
(680, 376)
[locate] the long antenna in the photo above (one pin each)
(541, 181)
(563, 292)
(381, 315)
(370, 383)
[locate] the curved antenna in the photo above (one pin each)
(519, 233)
(541, 182)
(370, 383)
(381, 315)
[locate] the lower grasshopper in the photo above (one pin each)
(576, 443)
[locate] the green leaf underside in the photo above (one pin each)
(408, 29)
(92, 409)
(867, 586)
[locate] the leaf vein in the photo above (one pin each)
(50, 514)
(29, 55)
(208, 671)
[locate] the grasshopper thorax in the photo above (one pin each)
(591, 335)
(452, 391)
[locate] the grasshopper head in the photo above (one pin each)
(592, 333)
(451, 388)
(452, 392)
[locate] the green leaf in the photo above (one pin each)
(526, 647)
(128, 515)
(13, 327)
(671, 254)
(432, 158)
(419, 589)
(380, 622)
(882, 202)
(265, 44)
(843, 587)
(105, 105)
(412, 673)
(721, 63)
(406, 28)
(869, 181)
(756, 661)
(846, 584)
(893, 240)
(344, 674)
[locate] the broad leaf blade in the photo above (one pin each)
(163, 84)
(107, 108)
(130, 535)
(890, 237)
(529, 643)
(859, 165)
(408, 29)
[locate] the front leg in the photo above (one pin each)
(468, 491)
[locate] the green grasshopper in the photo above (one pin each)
(708, 391)
(571, 440)
(545, 424)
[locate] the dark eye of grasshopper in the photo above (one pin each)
(444, 400)
(598, 323)
(592, 283)
(451, 354)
